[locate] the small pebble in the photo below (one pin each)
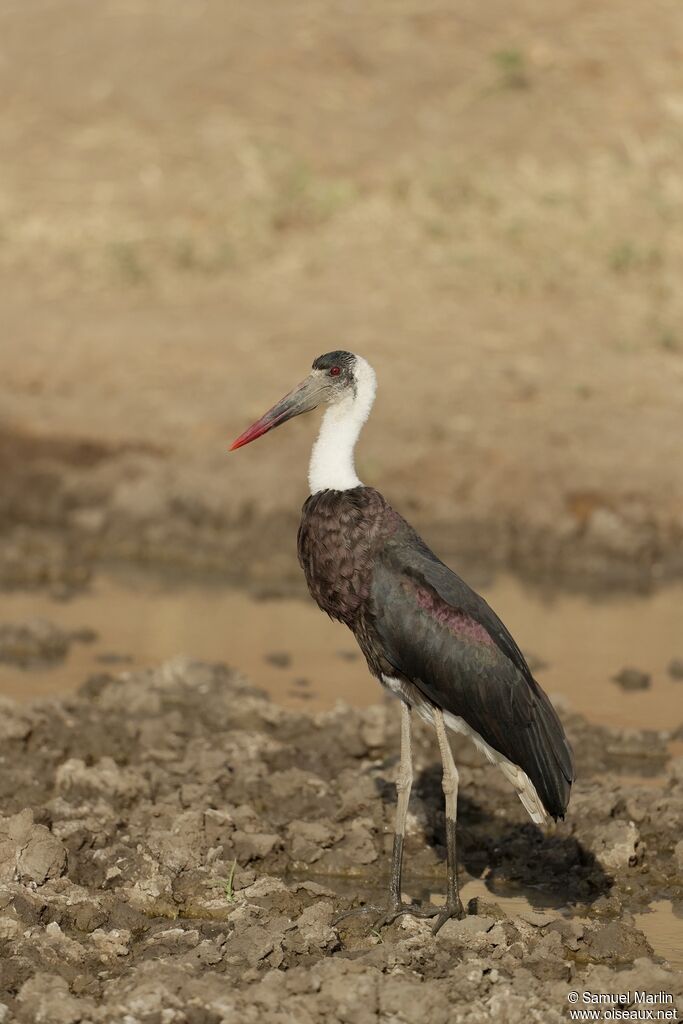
(478, 906)
(280, 659)
(675, 668)
(112, 658)
(86, 635)
(632, 679)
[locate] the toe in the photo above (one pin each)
(454, 910)
(367, 908)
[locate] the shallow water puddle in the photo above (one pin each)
(513, 901)
(302, 659)
(662, 925)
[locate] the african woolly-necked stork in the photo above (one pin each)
(427, 636)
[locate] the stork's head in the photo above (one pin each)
(337, 378)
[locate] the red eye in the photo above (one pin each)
(335, 371)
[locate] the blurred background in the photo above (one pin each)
(198, 199)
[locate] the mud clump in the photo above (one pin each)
(174, 847)
(29, 852)
(38, 643)
(280, 659)
(632, 679)
(675, 668)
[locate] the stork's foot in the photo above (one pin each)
(453, 908)
(405, 910)
(367, 908)
(387, 915)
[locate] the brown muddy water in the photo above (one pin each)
(302, 659)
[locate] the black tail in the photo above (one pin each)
(552, 771)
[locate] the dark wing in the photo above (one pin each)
(438, 633)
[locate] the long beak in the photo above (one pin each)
(305, 396)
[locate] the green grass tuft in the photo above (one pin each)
(512, 68)
(229, 887)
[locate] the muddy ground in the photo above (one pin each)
(175, 848)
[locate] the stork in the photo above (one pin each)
(426, 635)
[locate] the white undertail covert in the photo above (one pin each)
(526, 791)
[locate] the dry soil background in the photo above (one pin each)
(485, 200)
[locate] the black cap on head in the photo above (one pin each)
(345, 360)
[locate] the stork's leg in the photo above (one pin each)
(404, 781)
(453, 907)
(404, 784)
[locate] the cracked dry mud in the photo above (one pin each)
(175, 848)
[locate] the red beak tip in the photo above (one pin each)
(245, 438)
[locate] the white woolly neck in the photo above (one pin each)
(331, 466)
